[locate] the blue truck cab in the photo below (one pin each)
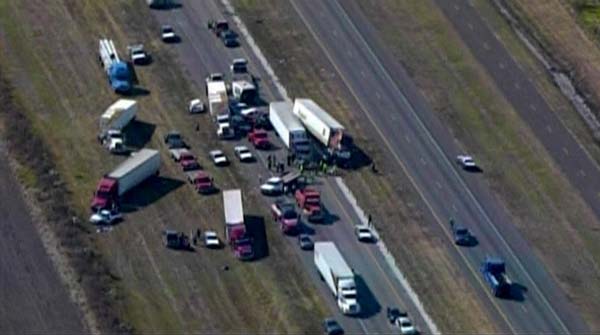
(493, 270)
(120, 77)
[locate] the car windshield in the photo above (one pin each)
(406, 323)
(461, 231)
(364, 231)
(312, 200)
(167, 29)
(350, 296)
(203, 180)
(260, 135)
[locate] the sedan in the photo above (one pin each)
(105, 217)
(332, 327)
(218, 158)
(243, 153)
(364, 233)
(466, 162)
(168, 34)
(305, 242)
(211, 239)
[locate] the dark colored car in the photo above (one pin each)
(174, 140)
(229, 39)
(305, 242)
(462, 235)
(332, 327)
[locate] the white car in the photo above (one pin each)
(218, 157)
(406, 326)
(105, 217)
(211, 239)
(243, 153)
(364, 233)
(196, 106)
(167, 33)
(466, 162)
(272, 186)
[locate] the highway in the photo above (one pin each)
(574, 161)
(199, 53)
(422, 147)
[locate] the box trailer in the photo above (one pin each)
(327, 130)
(338, 276)
(118, 115)
(137, 168)
(288, 127)
(235, 227)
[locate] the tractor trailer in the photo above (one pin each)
(338, 275)
(119, 74)
(112, 122)
(133, 171)
(235, 228)
(289, 128)
(218, 104)
(327, 130)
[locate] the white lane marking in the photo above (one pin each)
(501, 65)
(549, 129)
(335, 33)
(407, 138)
(486, 46)
(517, 86)
(485, 215)
(565, 151)
(378, 95)
(422, 160)
(455, 208)
(470, 26)
(582, 173)
(363, 73)
(456, 7)
(438, 184)
(388, 257)
(532, 106)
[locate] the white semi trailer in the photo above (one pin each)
(338, 275)
(288, 127)
(327, 130)
(113, 120)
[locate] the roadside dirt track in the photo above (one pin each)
(33, 298)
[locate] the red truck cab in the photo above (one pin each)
(259, 138)
(106, 195)
(188, 162)
(239, 241)
(309, 200)
(285, 215)
(201, 181)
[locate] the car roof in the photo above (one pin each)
(210, 233)
(239, 147)
(214, 152)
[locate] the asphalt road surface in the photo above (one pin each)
(200, 52)
(32, 296)
(575, 162)
(420, 145)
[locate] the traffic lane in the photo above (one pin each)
(363, 258)
(581, 170)
(34, 298)
(215, 61)
(260, 172)
(502, 222)
(356, 50)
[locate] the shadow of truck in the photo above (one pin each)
(148, 192)
(255, 226)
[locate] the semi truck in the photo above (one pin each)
(113, 120)
(235, 228)
(309, 201)
(338, 276)
(218, 104)
(493, 270)
(289, 128)
(119, 74)
(127, 175)
(327, 130)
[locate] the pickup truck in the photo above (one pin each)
(201, 181)
(284, 213)
(174, 140)
(259, 138)
(138, 55)
(188, 162)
